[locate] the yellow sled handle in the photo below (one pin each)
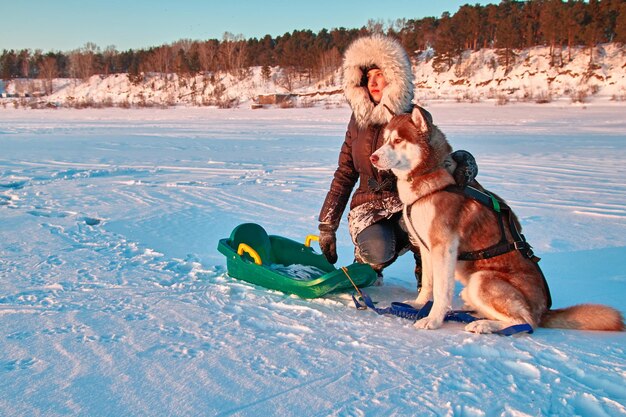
(254, 254)
(309, 238)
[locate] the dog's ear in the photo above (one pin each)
(421, 118)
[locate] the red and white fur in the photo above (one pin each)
(505, 290)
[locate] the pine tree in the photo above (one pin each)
(448, 43)
(8, 65)
(530, 25)
(266, 73)
(574, 15)
(592, 30)
(550, 18)
(620, 24)
(508, 31)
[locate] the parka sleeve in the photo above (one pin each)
(341, 187)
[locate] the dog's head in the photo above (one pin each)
(412, 143)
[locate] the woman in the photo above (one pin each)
(377, 79)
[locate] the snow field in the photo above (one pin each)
(115, 301)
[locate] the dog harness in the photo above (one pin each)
(503, 212)
(505, 218)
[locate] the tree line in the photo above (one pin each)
(507, 26)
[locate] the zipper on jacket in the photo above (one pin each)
(374, 142)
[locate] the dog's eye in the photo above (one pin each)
(397, 141)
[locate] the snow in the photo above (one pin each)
(297, 271)
(115, 301)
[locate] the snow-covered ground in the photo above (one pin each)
(114, 299)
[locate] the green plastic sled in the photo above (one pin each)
(251, 254)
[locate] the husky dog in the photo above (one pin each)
(506, 289)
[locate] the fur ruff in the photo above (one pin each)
(388, 55)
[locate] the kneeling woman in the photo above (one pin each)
(377, 81)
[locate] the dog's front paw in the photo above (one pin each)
(478, 326)
(421, 300)
(413, 303)
(486, 326)
(428, 323)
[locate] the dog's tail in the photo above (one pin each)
(584, 317)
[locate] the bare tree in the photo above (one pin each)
(375, 26)
(162, 59)
(48, 72)
(328, 62)
(233, 53)
(108, 56)
(184, 44)
(287, 78)
(83, 61)
(208, 54)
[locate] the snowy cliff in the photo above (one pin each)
(532, 75)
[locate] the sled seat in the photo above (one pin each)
(254, 237)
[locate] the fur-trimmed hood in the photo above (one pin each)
(388, 55)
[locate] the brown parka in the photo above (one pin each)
(376, 196)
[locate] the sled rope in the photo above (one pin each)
(345, 271)
(407, 311)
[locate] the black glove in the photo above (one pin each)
(328, 241)
(466, 168)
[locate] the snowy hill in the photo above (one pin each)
(478, 76)
(481, 75)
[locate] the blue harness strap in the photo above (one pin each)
(407, 311)
(516, 328)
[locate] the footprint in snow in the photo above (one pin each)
(20, 335)
(107, 338)
(47, 213)
(14, 185)
(18, 364)
(136, 316)
(176, 350)
(5, 200)
(92, 221)
(54, 260)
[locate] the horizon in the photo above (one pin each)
(70, 24)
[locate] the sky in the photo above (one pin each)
(64, 25)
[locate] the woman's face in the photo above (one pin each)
(375, 84)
